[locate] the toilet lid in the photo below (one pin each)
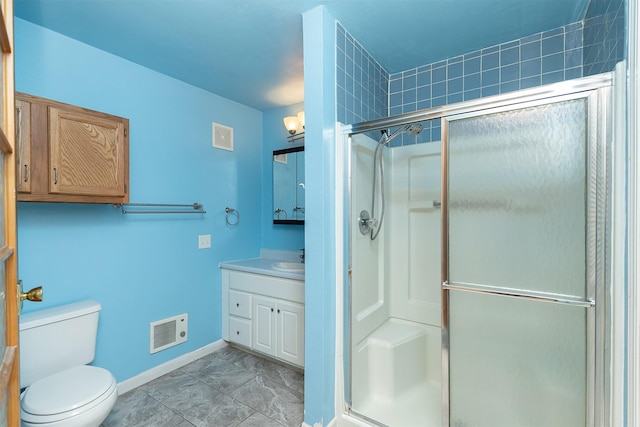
(66, 390)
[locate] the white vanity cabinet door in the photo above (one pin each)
(290, 335)
(264, 325)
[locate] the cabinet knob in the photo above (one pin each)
(272, 310)
(237, 304)
(237, 332)
(278, 310)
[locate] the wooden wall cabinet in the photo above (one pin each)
(70, 154)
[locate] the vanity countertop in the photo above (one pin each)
(265, 264)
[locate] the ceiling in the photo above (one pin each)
(250, 51)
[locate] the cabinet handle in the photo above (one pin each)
(19, 125)
(55, 176)
(26, 173)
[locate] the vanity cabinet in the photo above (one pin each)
(70, 154)
(264, 313)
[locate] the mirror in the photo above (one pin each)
(288, 186)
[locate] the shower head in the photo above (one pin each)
(414, 129)
(411, 130)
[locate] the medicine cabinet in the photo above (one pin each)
(288, 186)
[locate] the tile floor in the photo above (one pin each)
(224, 389)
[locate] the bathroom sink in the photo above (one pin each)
(292, 267)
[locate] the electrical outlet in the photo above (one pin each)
(204, 241)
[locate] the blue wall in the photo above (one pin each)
(285, 237)
(141, 268)
(320, 226)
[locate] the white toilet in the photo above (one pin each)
(62, 391)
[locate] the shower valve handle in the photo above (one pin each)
(366, 223)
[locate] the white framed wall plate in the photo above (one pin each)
(222, 136)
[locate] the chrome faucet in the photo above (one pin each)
(302, 255)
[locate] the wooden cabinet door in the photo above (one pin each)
(264, 325)
(290, 336)
(23, 146)
(86, 154)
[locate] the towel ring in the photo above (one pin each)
(230, 211)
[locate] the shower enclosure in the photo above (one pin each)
(481, 301)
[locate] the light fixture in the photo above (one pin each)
(301, 118)
(291, 123)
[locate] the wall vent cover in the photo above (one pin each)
(168, 332)
(222, 136)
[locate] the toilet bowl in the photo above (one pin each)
(81, 396)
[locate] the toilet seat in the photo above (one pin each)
(68, 394)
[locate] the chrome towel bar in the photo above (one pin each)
(160, 208)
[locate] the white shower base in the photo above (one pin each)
(396, 375)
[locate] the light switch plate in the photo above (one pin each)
(204, 241)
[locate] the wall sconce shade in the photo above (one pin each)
(291, 123)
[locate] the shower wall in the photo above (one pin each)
(413, 232)
(395, 342)
(369, 296)
(406, 254)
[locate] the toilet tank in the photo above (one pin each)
(56, 339)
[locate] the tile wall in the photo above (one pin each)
(541, 58)
(362, 84)
(366, 91)
(604, 36)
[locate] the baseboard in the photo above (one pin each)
(171, 365)
(332, 423)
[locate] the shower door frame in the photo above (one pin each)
(598, 88)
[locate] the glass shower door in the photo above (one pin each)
(522, 202)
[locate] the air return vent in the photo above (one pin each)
(168, 332)
(222, 136)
